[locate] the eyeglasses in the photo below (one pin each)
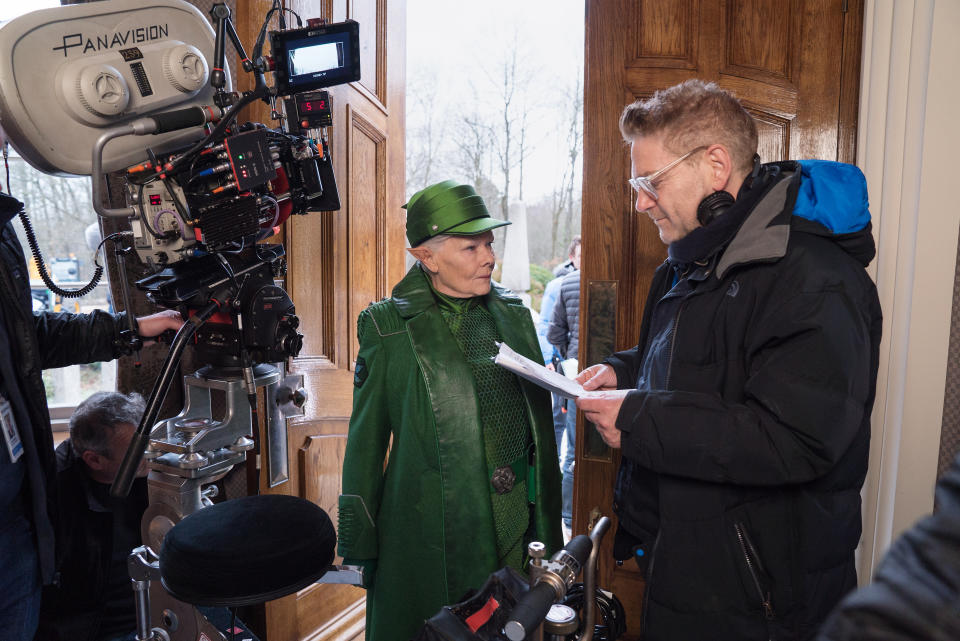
(645, 183)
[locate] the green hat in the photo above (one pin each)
(447, 208)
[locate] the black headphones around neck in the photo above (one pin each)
(720, 201)
(714, 205)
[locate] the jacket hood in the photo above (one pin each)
(833, 197)
(833, 194)
(819, 197)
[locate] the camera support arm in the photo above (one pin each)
(141, 438)
(220, 13)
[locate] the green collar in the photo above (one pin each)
(415, 294)
(453, 304)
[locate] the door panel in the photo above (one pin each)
(338, 262)
(795, 66)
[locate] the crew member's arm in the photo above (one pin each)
(367, 442)
(915, 591)
(559, 328)
(810, 363)
(72, 339)
(543, 323)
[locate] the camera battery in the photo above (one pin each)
(250, 159)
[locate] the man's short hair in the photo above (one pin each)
(692, 114)
(572, 247)
(95, 419)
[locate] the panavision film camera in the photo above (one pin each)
(141, 90)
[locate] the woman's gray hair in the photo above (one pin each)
(95, 420)
(433, 244)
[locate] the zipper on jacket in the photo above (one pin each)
(673, 341)
(755, 567)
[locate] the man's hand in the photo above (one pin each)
(598, 377)
(602, 408)
(550, 367)
(156, 324)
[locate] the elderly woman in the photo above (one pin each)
(471, 475)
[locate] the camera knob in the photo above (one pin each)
(185, 68)
(102, 90)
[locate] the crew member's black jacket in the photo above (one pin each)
(40, 341)
(745, 443)
(74, 609)
(915, 593)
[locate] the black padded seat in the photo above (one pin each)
(246, 551)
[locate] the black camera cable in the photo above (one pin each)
(217, 132)
(42, 268)
(612, 620)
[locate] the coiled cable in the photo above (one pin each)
(37, 256)
(611, 618)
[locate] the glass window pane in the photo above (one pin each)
(67, 232)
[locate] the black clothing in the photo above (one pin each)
(93, 598)
(39, 341)
(915, 593)
(564, 331)
(745, 441)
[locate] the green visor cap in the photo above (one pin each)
(447, 208)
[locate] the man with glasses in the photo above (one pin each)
(743, 414)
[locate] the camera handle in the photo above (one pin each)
(131, 460)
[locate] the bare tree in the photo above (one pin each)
(514, 84)
(59, 209)
(564, 195)
(473, 141)
(426, 131)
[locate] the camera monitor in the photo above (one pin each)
(316, 57)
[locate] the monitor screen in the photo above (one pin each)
(314, 58)
(310, 59)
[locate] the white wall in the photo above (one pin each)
(907, 145)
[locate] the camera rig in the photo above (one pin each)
(146, 88)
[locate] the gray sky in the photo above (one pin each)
(13, 8)
(461, 44)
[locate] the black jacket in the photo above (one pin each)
(745, 443)
(41, 341)
(915, 593)
(73, 609)
(564, 331)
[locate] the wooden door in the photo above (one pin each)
(339, 262)
(795, 65)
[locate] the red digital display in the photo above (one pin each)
(155, 199)
(312, 110)
(313, 105)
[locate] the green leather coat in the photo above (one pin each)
(424, 520)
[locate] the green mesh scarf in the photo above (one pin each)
(503, 417)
